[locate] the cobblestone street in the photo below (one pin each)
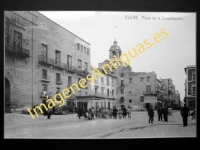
(69, 126)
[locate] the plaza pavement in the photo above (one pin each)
(69, 126)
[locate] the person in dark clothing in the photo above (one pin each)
(165, 114)
(124, 113)
(159, 110)
(115, 113)
(49, 112)
(185, 112)
(79, 113)
(151, 114)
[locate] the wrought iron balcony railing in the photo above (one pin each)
(71, 68)
(45, 60)
(60, 65)
(17, 50)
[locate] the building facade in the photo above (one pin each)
(41, 58)
(190, 86)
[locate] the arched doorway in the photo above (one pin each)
(7, 96)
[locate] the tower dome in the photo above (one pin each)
(115, 46)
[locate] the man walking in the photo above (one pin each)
(165, 114)
(159, 111)
(185, 112)
(151, 114)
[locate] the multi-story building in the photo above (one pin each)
(41, 58)
(190, 86)
(177, 102)
(132, 88)
(170, 92)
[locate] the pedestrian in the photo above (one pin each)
(98, 112)
(151, 114)
(120, 113)
(86, 114)
(115, 112)
(185, 112)
(159, 111)
(165, 113)
(193, 114)
(124, 113)
(129, 112)
(49, 112)
(79, 113)
(90, 114)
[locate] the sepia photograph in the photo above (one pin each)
(99, 74)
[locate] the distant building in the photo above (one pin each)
(177, 102)
(132, 88)
(190, 86)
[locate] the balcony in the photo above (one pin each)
(45, 60)
(82, 72)
(46, 79)
(43, 94)
(59, 81)
(60, 65)
(149, 93)
(15, 50)
(71, 68)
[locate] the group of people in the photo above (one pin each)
(104, 113)
(162, 113)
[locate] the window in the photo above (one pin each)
(130, 100)
(130, 80)
(148, 89)
(81, 48)
(88, 51)
(44, 87)
(102, 90)
(122, 91)
(69, 62)
(122, 99)
(101, 80)
(112, 81)
(193, 90)
(148, 78)
(122, 75)
(104, 104)
(57, 77)
(101, 104)
(193, 77)
(112, 92)
(108, 83)
(44, 52)
(122, 82)
(141, 79)
(57, 90)
(86, 66)
(57, 59)
(78, 46)
(17, 41)
(96, 89)
(85, 50)
(69, 80)
(141, 98)
(108, 92)
(79, 64)
(130, 92)
(44, 74)
(78, 82)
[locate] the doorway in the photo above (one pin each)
(7, 96)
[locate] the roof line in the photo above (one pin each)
(63, 27)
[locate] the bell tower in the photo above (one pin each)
(114, 50)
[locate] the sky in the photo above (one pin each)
(167, 58)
